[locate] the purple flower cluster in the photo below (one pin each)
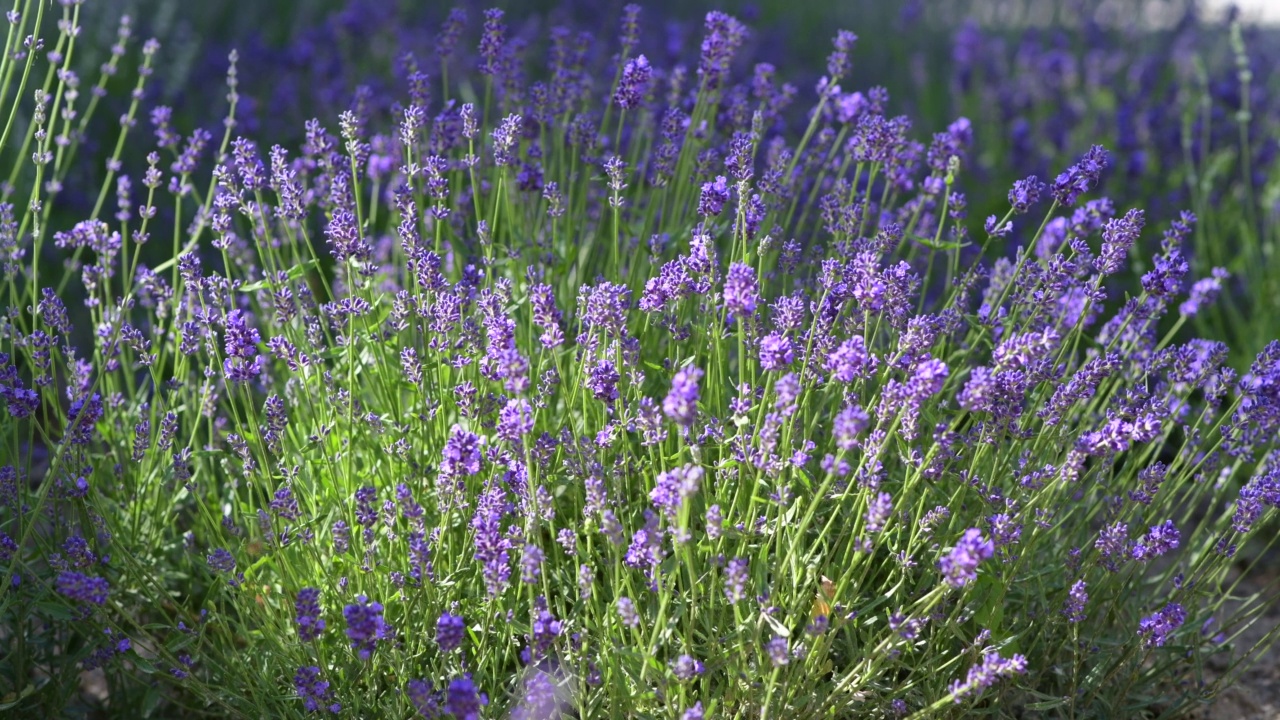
(992, 669)
(960, 566)
(365, 626)
(1156, 628)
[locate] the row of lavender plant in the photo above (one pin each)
(609, 393)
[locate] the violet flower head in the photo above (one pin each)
(1161, 539)
(713, 197)
(724, 35)
(1156, 628)
(461, 453)
(243, 363)
(463, 700)
(315, 693)
(307, 606)
(838, 60)
(681, 402)
(492, 42)
(849, 424)
(778, 651)
(1118, 235)
(82, 588)
(630, 35)
(960, 566)
(635, 79)
(988, 672)
(450, 631)
(1203, 293)
(221, 561)
(741, 293)
(1081, 177)
(735, 580)
(1073, 609)
(775, 352)
(450, 32)
(676, 486)
(849, 361)
(365, 626)
(627, 612)
(515, 420)
(878, 512)
(1025, 193)
(602, 380)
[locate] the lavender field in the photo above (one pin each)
(586, 360)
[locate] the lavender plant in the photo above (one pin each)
(608, 393)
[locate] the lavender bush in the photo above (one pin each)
(605, 391)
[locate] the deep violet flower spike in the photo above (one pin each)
(307, 605)
(1156, 628)
(1081, 177)
(713, 197)
(365, 626)
(988, 672)
(960, 566)
(681, 403)
(635, 80)
(741, 292)
(463, 700)
(450, 631)
(492, 42)
(1076, 599)
(82, 588)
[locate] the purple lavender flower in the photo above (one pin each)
(674, 487)
(424, 698)
(1156, 628)
(1073, 609)
(849, 424)
(492, 546)
(991, 670)
(714, 196)
(775, 352)
(463, 700)
(631, 87)
(1025, 193)
(735, 580)
(492, 42)
(778, 651)
(221, 561)
(686, 667)
(602, 380)
(243, 363)
(1203, 293)
(450, 631)
(531, 564)
(307, 606)
(1081, 177)
(850, 361)
(960, 566)
(461, 453)
(1161, 539)
(681, 403)
(365, 626)
(1118, 235)
(878, 512)
(627, 612)
(515, 420)
(82, 588)
(315, 693)
(740, 290)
